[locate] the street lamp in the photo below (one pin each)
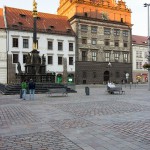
(109, 65)
(148, 5)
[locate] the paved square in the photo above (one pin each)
(99, 121)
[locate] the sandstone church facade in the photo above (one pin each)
(103, 39)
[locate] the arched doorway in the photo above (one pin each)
(106, 76)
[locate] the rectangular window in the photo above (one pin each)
(50, 45)
(116, 32)
(116, 57)
(24, 58)
(125, 57)
(15, 58)
(84, 28)
(93, 29)
(107, 56)
(107, 42)
(70, 60)
(116, 43)
(70, 46)
(94, 41)
(59, 60)
(107, 31)
(15, 42)
(83, 55)
(94, 56)
(139, 65)
(60, 46)
(139, 54)
(125, 44)
(25, 43)
(50, 60)
(125, 33)
(84, 41)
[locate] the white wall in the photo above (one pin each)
(42, 48)
(3, 57)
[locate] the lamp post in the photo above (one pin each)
(148, 5)
(109, 66)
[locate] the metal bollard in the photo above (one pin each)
(87, 90)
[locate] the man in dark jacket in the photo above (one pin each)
(31, 89)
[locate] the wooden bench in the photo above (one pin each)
(113, 90)
(61, 90)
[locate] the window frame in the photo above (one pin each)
(15, 42)
(49, 59)
(13, 58)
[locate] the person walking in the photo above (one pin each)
(31, 89)
(24, 89)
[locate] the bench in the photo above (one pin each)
(115, 89)
(61, 90)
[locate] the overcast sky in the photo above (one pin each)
(139, 13)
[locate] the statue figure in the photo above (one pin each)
(19, 68)
(28, 59)
(43, 60)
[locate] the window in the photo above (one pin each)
(107, 31)
(24, 58)
(125, 33)
(59, 60)
(93, 29)
(70, 60)
(15, 58)
(139, 65)
(116, 32)
(107, 42)
(15, 42)
(94, 41)
(139, 54)
(25, 43)
(116, 43)
(107, 55)
(94, 56)
(50, 45)
(116, 57)
(84, 28)
(50, 60)
(84, 56)
(70, 46)
(125, 44)
(60, 46)
(125, 57)
(84, 41)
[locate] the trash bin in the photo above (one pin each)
(20, 93)
(87, 90)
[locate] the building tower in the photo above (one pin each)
(103, 37)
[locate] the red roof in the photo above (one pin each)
(140, 40)
(2, 25)
(21, 19)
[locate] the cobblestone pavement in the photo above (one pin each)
(99, 121)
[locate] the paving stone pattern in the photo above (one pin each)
(101, 108)
(42, 141)
(100, 121)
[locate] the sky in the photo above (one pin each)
(139, 12)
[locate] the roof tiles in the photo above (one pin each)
(140, 40)
(20, 19)
(2, 25)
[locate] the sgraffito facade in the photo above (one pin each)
(103, 39)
